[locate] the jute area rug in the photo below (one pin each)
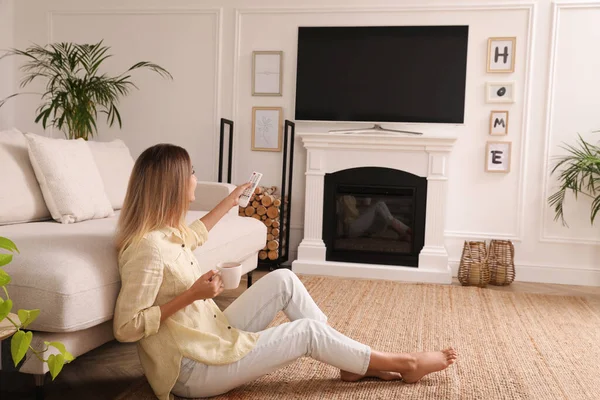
(510, 345)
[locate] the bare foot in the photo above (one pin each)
(428, 362)
(384, 375)
(404, 232)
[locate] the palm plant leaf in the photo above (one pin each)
(595, 208)
(156, 68)
(2, 101)
(75, 90)
(579, 174)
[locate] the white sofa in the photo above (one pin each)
(69, 271)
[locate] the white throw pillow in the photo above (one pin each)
(115, 164)
(21, 199)
(69, 179)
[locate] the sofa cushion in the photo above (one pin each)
(114, 163)
(70, 271)
(21, 199)
(233, 238)
(69, 179)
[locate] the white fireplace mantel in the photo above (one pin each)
(425, 156)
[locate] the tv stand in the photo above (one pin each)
(375, 128)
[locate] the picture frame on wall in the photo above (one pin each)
(267, 128)
(501, 54)
(500, 92)
(267, 76)
(498, 156)
(498, 123)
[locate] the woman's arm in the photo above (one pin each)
(211, 219)
(136, 316)
(200, 227)
(206, 287)
(179, 302)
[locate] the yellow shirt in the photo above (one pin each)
(153, 272)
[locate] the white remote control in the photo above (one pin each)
(245, 197)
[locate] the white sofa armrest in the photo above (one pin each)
(209, 194)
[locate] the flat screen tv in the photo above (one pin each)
(382, 74)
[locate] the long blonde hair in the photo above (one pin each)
(157, 194)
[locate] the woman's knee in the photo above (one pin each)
(282, 280)
(314, 333)
(310, 325)
(381, 207)
(283, 272)
(283, 275)
(383, 210)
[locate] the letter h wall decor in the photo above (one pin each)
(501, 54)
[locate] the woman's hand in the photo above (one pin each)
(237, 192)
(207, 286)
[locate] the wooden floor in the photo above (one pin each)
(108, 370)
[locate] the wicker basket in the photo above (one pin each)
(501, 260)
(473, 269)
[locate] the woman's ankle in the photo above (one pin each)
(396, 362)
(406, 363)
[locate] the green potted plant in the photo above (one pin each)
(580, 174)
(76, 91)
(20, 342)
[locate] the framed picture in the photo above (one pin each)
(499, 123)
(501, 54)
(497, 156)
(267, 74)
(267, 128)
(500, 92)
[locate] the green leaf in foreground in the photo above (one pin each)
(8, 244)
(27, 317)
(4, 278)
(63, 350)
(19, 345)
(5, 307)
(56, 363)
(5, 259)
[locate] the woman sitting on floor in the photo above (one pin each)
(185, 343)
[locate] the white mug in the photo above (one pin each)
(231, 274)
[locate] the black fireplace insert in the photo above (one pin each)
(374, 215)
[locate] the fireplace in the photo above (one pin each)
(374, 215)
(403, 175)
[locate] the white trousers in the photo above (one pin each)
(306, 335)
(376, 219)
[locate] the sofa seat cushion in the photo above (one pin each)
(70, 272)
(233, 239)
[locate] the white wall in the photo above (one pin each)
(208, 48)
(7, 81)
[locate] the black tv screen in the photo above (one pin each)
(382, 74)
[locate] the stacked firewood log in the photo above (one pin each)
(265, 206)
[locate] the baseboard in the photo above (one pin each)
(550, 274)
(371, 271)
(543, 274)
